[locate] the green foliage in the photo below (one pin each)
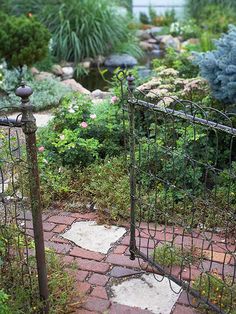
(171, 255)
(182, 62)
(219, 292)
(81, 132)
(219, 67)
(107, 184)
(47, 93)
(21, 296)
(158, 20)
(213, 15)
(4, 308)
(187, 29)
(23, 40)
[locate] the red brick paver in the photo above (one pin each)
(95, 271)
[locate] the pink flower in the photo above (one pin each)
(41, 149)
(93, 116)
(83, 124)
(62, 137)
(114, 99)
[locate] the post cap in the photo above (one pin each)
(24, 91)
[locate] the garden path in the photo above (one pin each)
(107, 280)
(42, 118)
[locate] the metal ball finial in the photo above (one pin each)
(23, 91)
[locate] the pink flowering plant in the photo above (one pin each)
(82, 132)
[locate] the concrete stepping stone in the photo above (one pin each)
(91, 236)
(148, 293)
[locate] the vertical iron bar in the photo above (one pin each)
(29, 128)
(131, 110)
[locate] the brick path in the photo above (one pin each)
(96, 270)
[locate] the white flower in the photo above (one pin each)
(71, 110)
(93, 116)
(62, 137)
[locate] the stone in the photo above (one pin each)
(152, 41)
(75, 86)
(34, 71)
(97, 93)
(155, 30)
(68, 72)
(143, 35)
(43, 76)
(86, 64)
(57, 70)
(120, 60)
(99, 60)
(159, 296)
(145, 45)
(119, 272)
(83, 287)
(180, 309)
(157, 53)
(91, 236)
(58, 247)
(168, 41)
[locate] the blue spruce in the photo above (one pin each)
(219, 67)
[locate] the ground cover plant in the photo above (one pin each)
(19, 282)
(47, 93)
(219, 292)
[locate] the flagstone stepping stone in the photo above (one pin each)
(91, 236)
(148, 293)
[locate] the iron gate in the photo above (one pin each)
(20, 203)
(183, 195)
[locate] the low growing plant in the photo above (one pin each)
(219, 292)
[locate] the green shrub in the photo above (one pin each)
(218, 67)
(81, 29)
(23, 40)
(182, 62)
(4, 308)
(187, 29)
(80, 132)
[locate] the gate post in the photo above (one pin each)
(29, 128)
(131, 110)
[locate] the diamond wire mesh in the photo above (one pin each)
(185, 197)
(17, 261)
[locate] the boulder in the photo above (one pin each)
(145, 45)
(143, 35)
(157, 53)
(75, 86)
(120, 60)
(57, 70)
(34, 71)
(99, 60)
(168, 41)
(43, 76)
(100, 94)
(155, 30)
(68, 72)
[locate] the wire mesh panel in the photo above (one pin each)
(16, 261)
(183, 197)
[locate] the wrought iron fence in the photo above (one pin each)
(183, 195)
(21, 258)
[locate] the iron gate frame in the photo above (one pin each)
(130, 103)
(27, 122)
